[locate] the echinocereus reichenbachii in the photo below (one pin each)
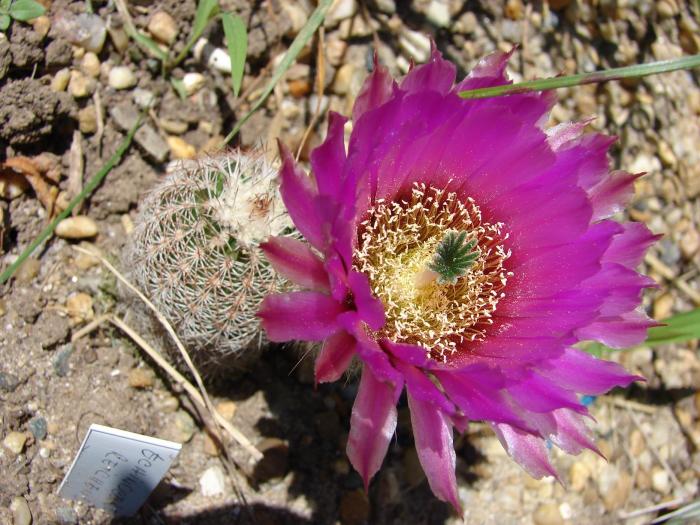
(460, 250)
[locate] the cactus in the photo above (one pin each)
(194, 251)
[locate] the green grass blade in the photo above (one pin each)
(300, 40)
(678, 328)
(87, 190)
(146, 43)
(206, 10)
(545, 84)
(237, 43)
(24, 10)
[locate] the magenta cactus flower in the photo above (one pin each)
(460, 250)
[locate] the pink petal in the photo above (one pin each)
(572, 436)
(583, 373)
(423, 389)
(309, 316)
(629, 246)
(489, 71)
(376, 90)
(299, 196)
(528, 450)
(327, 160)
(435, 75)
(536, 393)
(372, 425)
(433, 436)
(411, 354)
(369, 308)
(335, 357)
(294, 260)
(622, 331)
(612, 194)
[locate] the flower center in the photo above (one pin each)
(399, 247)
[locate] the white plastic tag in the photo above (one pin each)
(116, 470)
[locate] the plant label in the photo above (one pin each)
(116, 470)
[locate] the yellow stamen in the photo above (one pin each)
(397, 242)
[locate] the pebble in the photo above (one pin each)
(8, 382)
(614, 487)
(193, 82)
(87, 119)
(79, 227)
(340, 10)
(660, 481)
(141, 378)
(90, 65)
(690, 243)
(125, 115)
(163, 27)
(143, 97)
(354, 507)
(92, 31)
(119, 37)
(227, 409)
(180, 148)
(415, 44)
(210, 447)
(79, 307)
(637, 443)
(60, 80)
(21, 515)
(296, 15)
(61, 362)
(438, 13)
(121, 77)
(547, 514)
(80, 85)
(335, 51)
(14, 442)
(41, 25)
(514, 9)
(299, 88)
(127, 223)
(38, 427)
(28, 271)
(181, 427)
(275, 460)
(579, 473)
(176, 127)
(212, 482)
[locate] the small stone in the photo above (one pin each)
(210, 446)
(642, 480)
(438, 12)
(299, 88)
(90, 65)
(340, 10)
(193, 82)
(690, 243)
(663, 306)
(127, 223)
(119, 38)
(84, 261)
(335, 51)
(181, 428)
(66, 516)
(181, 149)
(21, 515)
(343, 78)
(614, 488)
(38, 427)
(87, 119)
(176, 127)
(8, 382)
(547, 514)
(296, 15)
(61, 362)
(275, 461)
(514, 9)
(28, 271)
(121, 77)
(227, 409)
(41, 25)
(141, 378)
(354, 507)
(143, 97)
(579, 473)
(60, 80)
(79, 227)
(660, 481)
(637, 443)
(80, 85)
(14, 442)
(163, 27)
(467, 23)
(212, 482)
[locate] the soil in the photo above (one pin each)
(49, 376)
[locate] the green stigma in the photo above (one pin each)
(453, 257)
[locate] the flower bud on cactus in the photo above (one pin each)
(195, 252)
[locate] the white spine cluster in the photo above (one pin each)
(195, 250)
